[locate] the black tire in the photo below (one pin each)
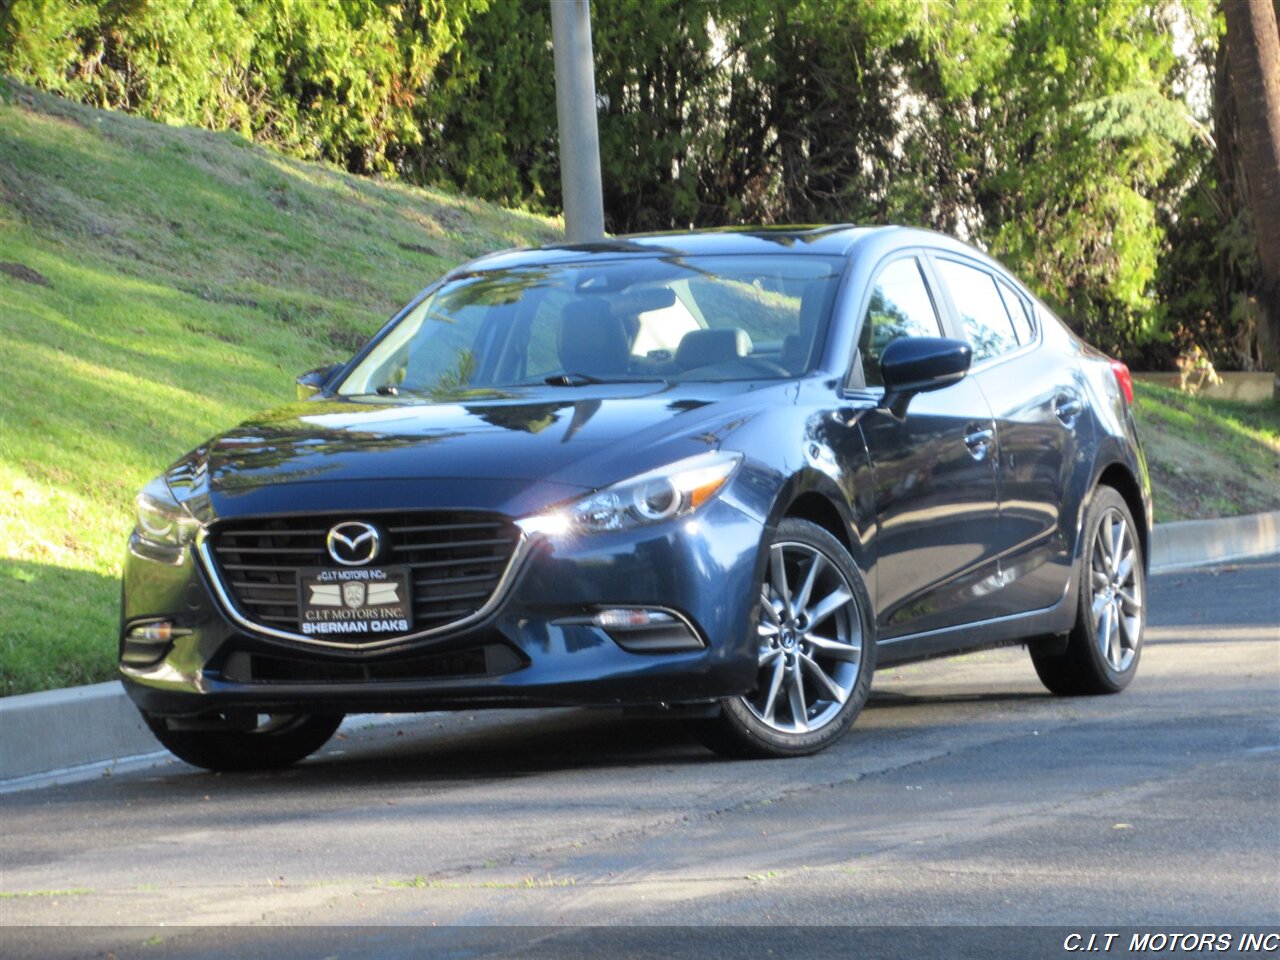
(277, 741)
(750, 725)
(1086, 666)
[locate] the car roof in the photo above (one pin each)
(830, 240)
(835, 240)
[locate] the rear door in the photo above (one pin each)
(935, 478)
(1037, 404)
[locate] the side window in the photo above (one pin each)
(986, 322)
(1019, 310)
(900, 307)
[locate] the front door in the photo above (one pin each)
(935, 475)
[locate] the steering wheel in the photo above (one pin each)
(732, 369)
(767, 367)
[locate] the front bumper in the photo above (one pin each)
(534, 646)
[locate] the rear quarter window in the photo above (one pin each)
(1019, 312)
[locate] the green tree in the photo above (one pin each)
(337, 80)
(1055, 128)
(1208, 274)
(489, 121)
(1061, 136)
(1253, 36)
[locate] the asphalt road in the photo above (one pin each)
(966, 795)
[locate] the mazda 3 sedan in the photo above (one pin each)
(720, 474)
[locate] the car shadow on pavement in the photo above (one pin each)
(470, 748)
(515, 744)
(522, 743)
(892, 698)
(500, 745)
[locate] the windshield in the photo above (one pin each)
(703, 318)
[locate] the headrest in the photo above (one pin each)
(701, 348)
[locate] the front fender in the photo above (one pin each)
(823, 474)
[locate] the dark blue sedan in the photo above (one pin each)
(723, 474)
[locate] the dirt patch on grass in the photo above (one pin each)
(345, 339)
(301, 314)
(65, 112)
(1183, 493)
(20, 271)
(205, 331)
(214, 295)
(53, 209)
(418, 248)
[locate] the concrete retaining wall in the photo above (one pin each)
(1246, 387)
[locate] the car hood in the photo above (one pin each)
(543, 443)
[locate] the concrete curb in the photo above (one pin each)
(56, 729)
(1192, 543)
(85, 731)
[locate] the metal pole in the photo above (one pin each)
(576, 113)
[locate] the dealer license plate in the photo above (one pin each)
(355, 603)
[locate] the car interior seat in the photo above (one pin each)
(592, 340)
(704, 348)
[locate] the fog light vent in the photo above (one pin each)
(641, 630)
(146, 643)
(632, 618)
(158, 631)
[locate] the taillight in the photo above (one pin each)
(1125, 379)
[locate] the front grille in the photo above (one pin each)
(457, 560)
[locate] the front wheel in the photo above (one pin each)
(1102, 652)
(815, 649)
(230, 742)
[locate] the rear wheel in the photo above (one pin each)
(244, 741)
(815, 652)
(1102, 651)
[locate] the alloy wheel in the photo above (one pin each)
(810, 641)
(1117, 591)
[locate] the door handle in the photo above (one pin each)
(979, 442)
(1066, 409)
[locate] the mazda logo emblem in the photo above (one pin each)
(353, 543)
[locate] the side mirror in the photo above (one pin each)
(911, 365)
(313, 381)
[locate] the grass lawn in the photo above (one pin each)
(1208, 458)
(157, 284)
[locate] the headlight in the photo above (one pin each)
(161, 519)
(672, 491)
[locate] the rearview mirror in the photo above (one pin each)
(911, 365)
(642, 301)
(313, 381)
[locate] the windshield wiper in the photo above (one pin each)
(571, 380)
(584, 379)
